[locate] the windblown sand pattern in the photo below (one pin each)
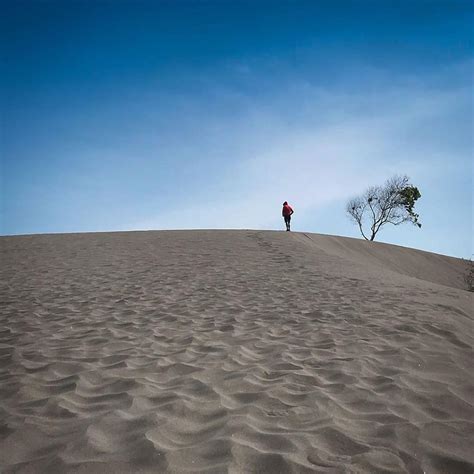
(232, 351)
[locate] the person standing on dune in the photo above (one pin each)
(286, 212)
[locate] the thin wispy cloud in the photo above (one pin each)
(339, 144)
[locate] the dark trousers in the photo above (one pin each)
(287, 221)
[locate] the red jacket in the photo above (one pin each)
(287, 210)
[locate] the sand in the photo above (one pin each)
(232, 351)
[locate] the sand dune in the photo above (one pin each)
(232, 351)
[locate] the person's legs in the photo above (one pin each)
(287, 222)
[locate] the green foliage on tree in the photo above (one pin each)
(408, 198)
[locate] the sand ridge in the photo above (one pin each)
(232, 351)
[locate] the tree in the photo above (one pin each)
(392, 203)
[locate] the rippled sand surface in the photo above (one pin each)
(232, 351)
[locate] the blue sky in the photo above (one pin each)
(174, 115)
